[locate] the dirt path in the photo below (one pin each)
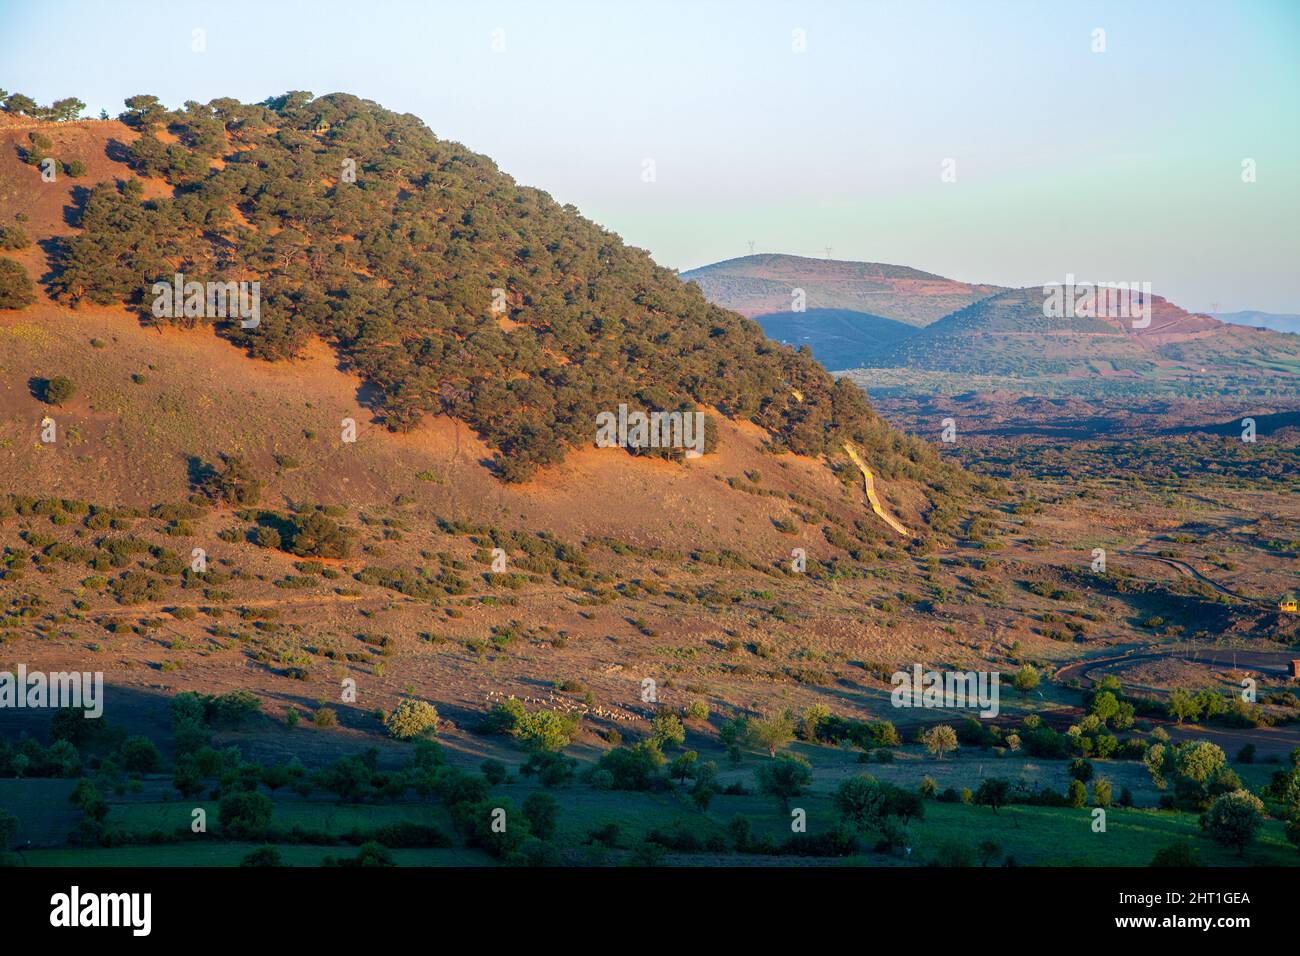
(1273, 662)
(871, 493)
(1188, 571)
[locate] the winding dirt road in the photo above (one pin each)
(1188, 571)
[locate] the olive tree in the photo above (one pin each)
(939, 740)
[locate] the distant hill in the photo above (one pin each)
(839, 338)
(763, 285)
(1008, 334)
(1278, 322)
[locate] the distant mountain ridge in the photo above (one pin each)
(1278, 322)
(991, 330)
(1008, 335)
(764, 284)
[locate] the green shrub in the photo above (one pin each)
(57, 390)
(139, 755)
(629, 768)
(412, 718)
(546, 730)
(263, 856)
(13, 237)
(245, 813)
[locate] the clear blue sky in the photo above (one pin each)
(1122, 165)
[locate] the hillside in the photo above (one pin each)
(762, 285)
(838, 338)
(1009, 335)
(438, 283)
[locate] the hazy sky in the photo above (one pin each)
(1117, 165)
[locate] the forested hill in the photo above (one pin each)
(367, 230)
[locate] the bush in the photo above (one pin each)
(552, 769)
(666, 730)
(16, 290)
(706, 784)
(992, 792)
(13, 237)
(232, 484)
(263, 856)
(232, 709)
(477, 821)
(317, 536)
(952, 853)
(1025, 679)
(503, 718)
(631, 768)
(784, 776)
(939, 740)
(546, 730)
(494, 771)
(1234, 819)
(368, 855)
(541, 810)
(57, 390)
(412, 718)
(402, 835)
(1177, 855)
(833, 843)
(867, 805)
(245, 813)
(732, 734)
(139, 755)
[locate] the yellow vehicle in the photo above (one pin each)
(1287, 605)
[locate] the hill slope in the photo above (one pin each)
(436, 285)
(1008, 334)
(839, 338)
(761, 285)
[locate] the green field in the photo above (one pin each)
(1028, 835)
